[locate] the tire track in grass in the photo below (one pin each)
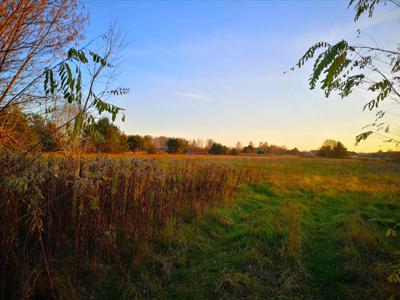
(327, 278)
(242, 254)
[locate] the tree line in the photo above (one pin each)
(36, 129)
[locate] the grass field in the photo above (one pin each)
(311, 229)
(315, 229)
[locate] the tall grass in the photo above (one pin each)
(61, 218)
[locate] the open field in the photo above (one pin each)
(162, 150)
(304, 229)
(168, 156)
(315, 229)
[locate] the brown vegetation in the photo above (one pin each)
(78, 216)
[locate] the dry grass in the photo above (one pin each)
(292, 213)
(205, 156)
(314, 230)
(93, 213)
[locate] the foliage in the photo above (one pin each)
(234, 151)
(67, 82)
(218, 148)
(45, 131)
(148, 144)
(249, 148)
(135, 142)
(332, 148)
(151, 148)
(295, 151)
(72, 96)
(343, 67)
(177, 145)
(263, 148)
(109, 137)
(15, 131)
(19, 130)
(32, 35)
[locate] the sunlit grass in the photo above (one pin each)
(311, 229)
(314, 230)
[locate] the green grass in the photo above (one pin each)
(314, 230)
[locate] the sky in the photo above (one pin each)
(215, 69)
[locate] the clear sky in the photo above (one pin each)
(214, 69)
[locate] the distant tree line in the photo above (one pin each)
(107, 137)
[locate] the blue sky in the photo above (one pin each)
(214, 69)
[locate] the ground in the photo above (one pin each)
(314, 229)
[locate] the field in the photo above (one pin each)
(301, 228)
(315, 229)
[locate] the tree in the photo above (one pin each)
(78, 85)
(135, 142)
(199, 143)
(263, 148)
(32, 34)
(218, 148)
(344, 67)
(249, 148)
(161, 142)
(148, 144)
(295, 151)
(234, 151)
(109, 138)
(176, 145)
(151, 149)
(340, 151)
(27, 129)
(332, 148)
(43, 128)
(15, 132)
(210, 143)
(239, 146)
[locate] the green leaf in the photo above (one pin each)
(78, 124)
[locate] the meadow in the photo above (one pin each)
(201, 227)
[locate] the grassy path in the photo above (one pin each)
(232, 257)
(323, 259)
